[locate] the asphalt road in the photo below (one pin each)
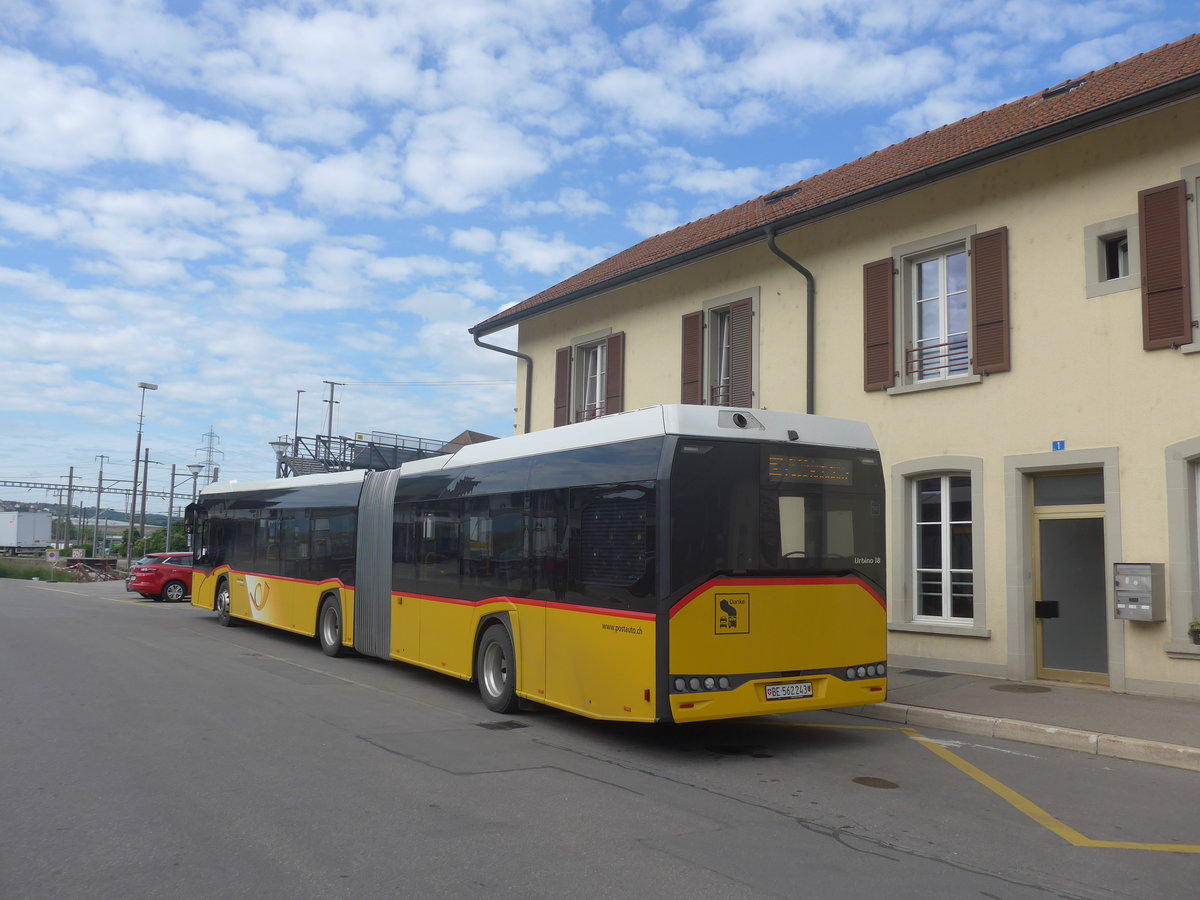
(147, 752)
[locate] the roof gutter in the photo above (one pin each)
(528, 374)
(1138, 103)
(810, 330)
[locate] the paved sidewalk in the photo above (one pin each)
(1157, 730)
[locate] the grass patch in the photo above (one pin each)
(28, 569)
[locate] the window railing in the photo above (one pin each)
(591, 411)
(932, 360)
(718, 394)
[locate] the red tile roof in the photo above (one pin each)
(1118, 90)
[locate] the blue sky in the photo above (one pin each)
(240, 200)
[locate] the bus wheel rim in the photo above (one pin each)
(495, 669)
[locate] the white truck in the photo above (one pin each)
(24, 531)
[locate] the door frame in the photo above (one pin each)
(1019, 470)
(1057, 514)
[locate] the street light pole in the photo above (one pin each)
(137, 455)
(195, 469)
(296, 429)
(145, 490)
(99, 491)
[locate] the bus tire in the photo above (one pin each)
(173, 592)
(329, 626)
(221, 605)
(496, 670)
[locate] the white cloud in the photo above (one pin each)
(473, 240)
(458, 158)
(90, 125)
(136, 31)
(276, 228)
(407, 268)
(324, 125)
(527, 249)
(231, 153)
(649, 218)
(651, 102)
(365, 181)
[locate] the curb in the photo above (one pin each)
(1158, 753)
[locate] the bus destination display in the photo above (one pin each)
(793, 469)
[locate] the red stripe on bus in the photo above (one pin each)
(221, 570)
(751, 582)
(525, 601)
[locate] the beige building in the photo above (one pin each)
(1011, 302)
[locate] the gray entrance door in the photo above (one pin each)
(1072, 582)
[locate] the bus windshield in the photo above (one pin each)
(774, 509)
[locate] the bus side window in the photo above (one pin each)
(295, 537)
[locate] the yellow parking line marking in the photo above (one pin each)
(1019, 802)
(1032, 810)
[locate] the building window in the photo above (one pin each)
(718, 387)
(943, 569)
(1116, 256)
(589, 378)
(590, 368)
(935, 313)
(1183, 542)
(718, 354)
(938, 347)
(1112, 252)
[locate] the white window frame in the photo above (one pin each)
(903, 576)
(718, 353)
(1095, 240)
(905, 259)
(589, 387)
(946, 570)
(952, 348)
(1183, 543)
(717, 346)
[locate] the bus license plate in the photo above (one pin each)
(789, 691)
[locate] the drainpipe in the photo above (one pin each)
(528, 373)
(810, 353)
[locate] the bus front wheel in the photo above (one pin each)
(221, 605)
(496, 670)
(329, 626)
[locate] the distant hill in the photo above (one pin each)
(114, 516)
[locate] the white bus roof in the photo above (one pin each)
(652, 421)
(354, 476)
(656, 421)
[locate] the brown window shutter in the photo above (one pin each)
(1166, 293)
(562, 386)
(989, 302)
(692, 389)
(741, 353)
(614, 378)
(879, 369)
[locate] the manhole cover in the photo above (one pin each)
(506, 725)
(1020, 688)
(871, 781)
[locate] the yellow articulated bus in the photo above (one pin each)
(670, 564)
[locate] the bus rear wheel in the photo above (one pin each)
(221, 605)
(496, 670)
(329, 626)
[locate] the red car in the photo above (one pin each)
(161, 576)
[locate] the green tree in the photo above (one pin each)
(156, 541)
